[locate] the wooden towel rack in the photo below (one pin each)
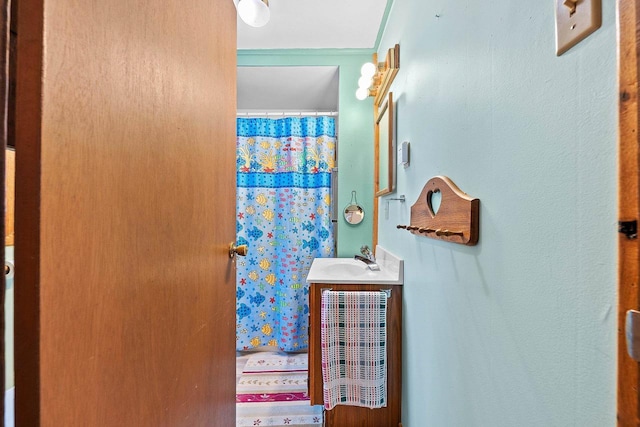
(456, 220)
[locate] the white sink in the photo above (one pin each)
(342, 267)
(349, 270)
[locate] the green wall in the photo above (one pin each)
(355, 131)
(519, 330)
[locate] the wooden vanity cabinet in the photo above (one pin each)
(355, 416)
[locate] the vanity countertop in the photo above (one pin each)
(352, 271)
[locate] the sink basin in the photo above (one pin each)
(343, 267)
(349, 270)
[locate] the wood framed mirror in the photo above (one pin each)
(384, 148)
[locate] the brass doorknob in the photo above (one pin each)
(241, 250)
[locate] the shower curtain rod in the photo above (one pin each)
(285, 113)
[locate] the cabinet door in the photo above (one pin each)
(350, 416)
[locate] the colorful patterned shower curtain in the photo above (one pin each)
(283, 215)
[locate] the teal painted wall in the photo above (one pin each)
(355, 132)
(519, 330)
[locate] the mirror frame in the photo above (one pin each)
(385, 112)
(353, 208)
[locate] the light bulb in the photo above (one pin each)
(365, 82)
(254, 12)
(362, 93)
(368, 70)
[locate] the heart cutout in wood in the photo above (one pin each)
(434, 199)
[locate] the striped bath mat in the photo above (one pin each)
(353, 327)
(272, 391)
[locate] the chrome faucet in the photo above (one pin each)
(368, 258)
(365, 251)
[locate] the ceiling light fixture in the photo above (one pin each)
(254, 12)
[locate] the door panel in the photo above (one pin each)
(628, 204)
(4, 105)
(125, 142)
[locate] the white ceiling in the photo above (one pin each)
(304, 24)
(299, 89)
(313, 24)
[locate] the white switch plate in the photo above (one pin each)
(573, 27)
(403, 154)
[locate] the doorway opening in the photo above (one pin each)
(303, 100)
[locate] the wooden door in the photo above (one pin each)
(4, 96)
(125, 205)
(629, 204)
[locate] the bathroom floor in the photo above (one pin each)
(241, 360)
(271, 390)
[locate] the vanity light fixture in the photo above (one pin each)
(376, 77)
(362, 93)
(367, 73)
(254, 12)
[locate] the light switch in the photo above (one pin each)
(575, 20)
(403, 154)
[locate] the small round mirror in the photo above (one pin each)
(353, 214)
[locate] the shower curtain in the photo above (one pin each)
(283, 215)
